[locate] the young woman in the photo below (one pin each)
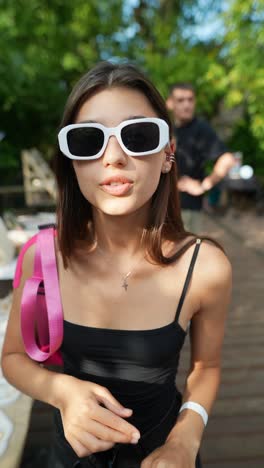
(133, 284)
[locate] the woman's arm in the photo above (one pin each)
(214, 279)
(93, 419)
(23, 373)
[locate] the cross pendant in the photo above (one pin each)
(125, 284)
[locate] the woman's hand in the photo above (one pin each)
(173, 454)
(92, 418)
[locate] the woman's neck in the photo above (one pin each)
(119, 235)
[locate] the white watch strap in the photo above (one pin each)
(197, 408)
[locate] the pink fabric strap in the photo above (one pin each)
(42, 316)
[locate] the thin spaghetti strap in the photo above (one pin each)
(188, 278)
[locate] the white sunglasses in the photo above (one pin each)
(137, 137)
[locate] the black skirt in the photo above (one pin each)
(129, 457)
(121, 455)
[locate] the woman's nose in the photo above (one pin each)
(114, 155)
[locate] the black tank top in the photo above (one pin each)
(138, 367)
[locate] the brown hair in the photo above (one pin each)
(182, 85)
(74, 213)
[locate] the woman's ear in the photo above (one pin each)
(167, 151)
(173, 145)
(170, 148)
(169, 159)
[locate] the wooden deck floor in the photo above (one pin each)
(234, 437)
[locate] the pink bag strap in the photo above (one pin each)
(45, 270)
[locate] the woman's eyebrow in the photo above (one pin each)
(136, 117)
(88, 121)
(131, 117)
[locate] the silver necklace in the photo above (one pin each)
(124, 278)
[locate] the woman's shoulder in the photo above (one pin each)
(213, 265)
(175, 247)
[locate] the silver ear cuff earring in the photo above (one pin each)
(170, 157)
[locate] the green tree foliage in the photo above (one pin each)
(244, 49)
(46, 45)
(164, 45)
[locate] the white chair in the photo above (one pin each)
(7, 261)
(7, 248)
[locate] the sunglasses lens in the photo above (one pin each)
(85, 141)
(140, 137)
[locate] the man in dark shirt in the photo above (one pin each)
(196, 143)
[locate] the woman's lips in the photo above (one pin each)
(117, 185)
(118, 189)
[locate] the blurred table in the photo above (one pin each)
(238, 192)
(241, 185)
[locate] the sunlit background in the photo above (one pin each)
(218, 46)
(47, 45)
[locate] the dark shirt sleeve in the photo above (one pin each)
(211, 145)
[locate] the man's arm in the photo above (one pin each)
(195, 187)
(220, 170)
